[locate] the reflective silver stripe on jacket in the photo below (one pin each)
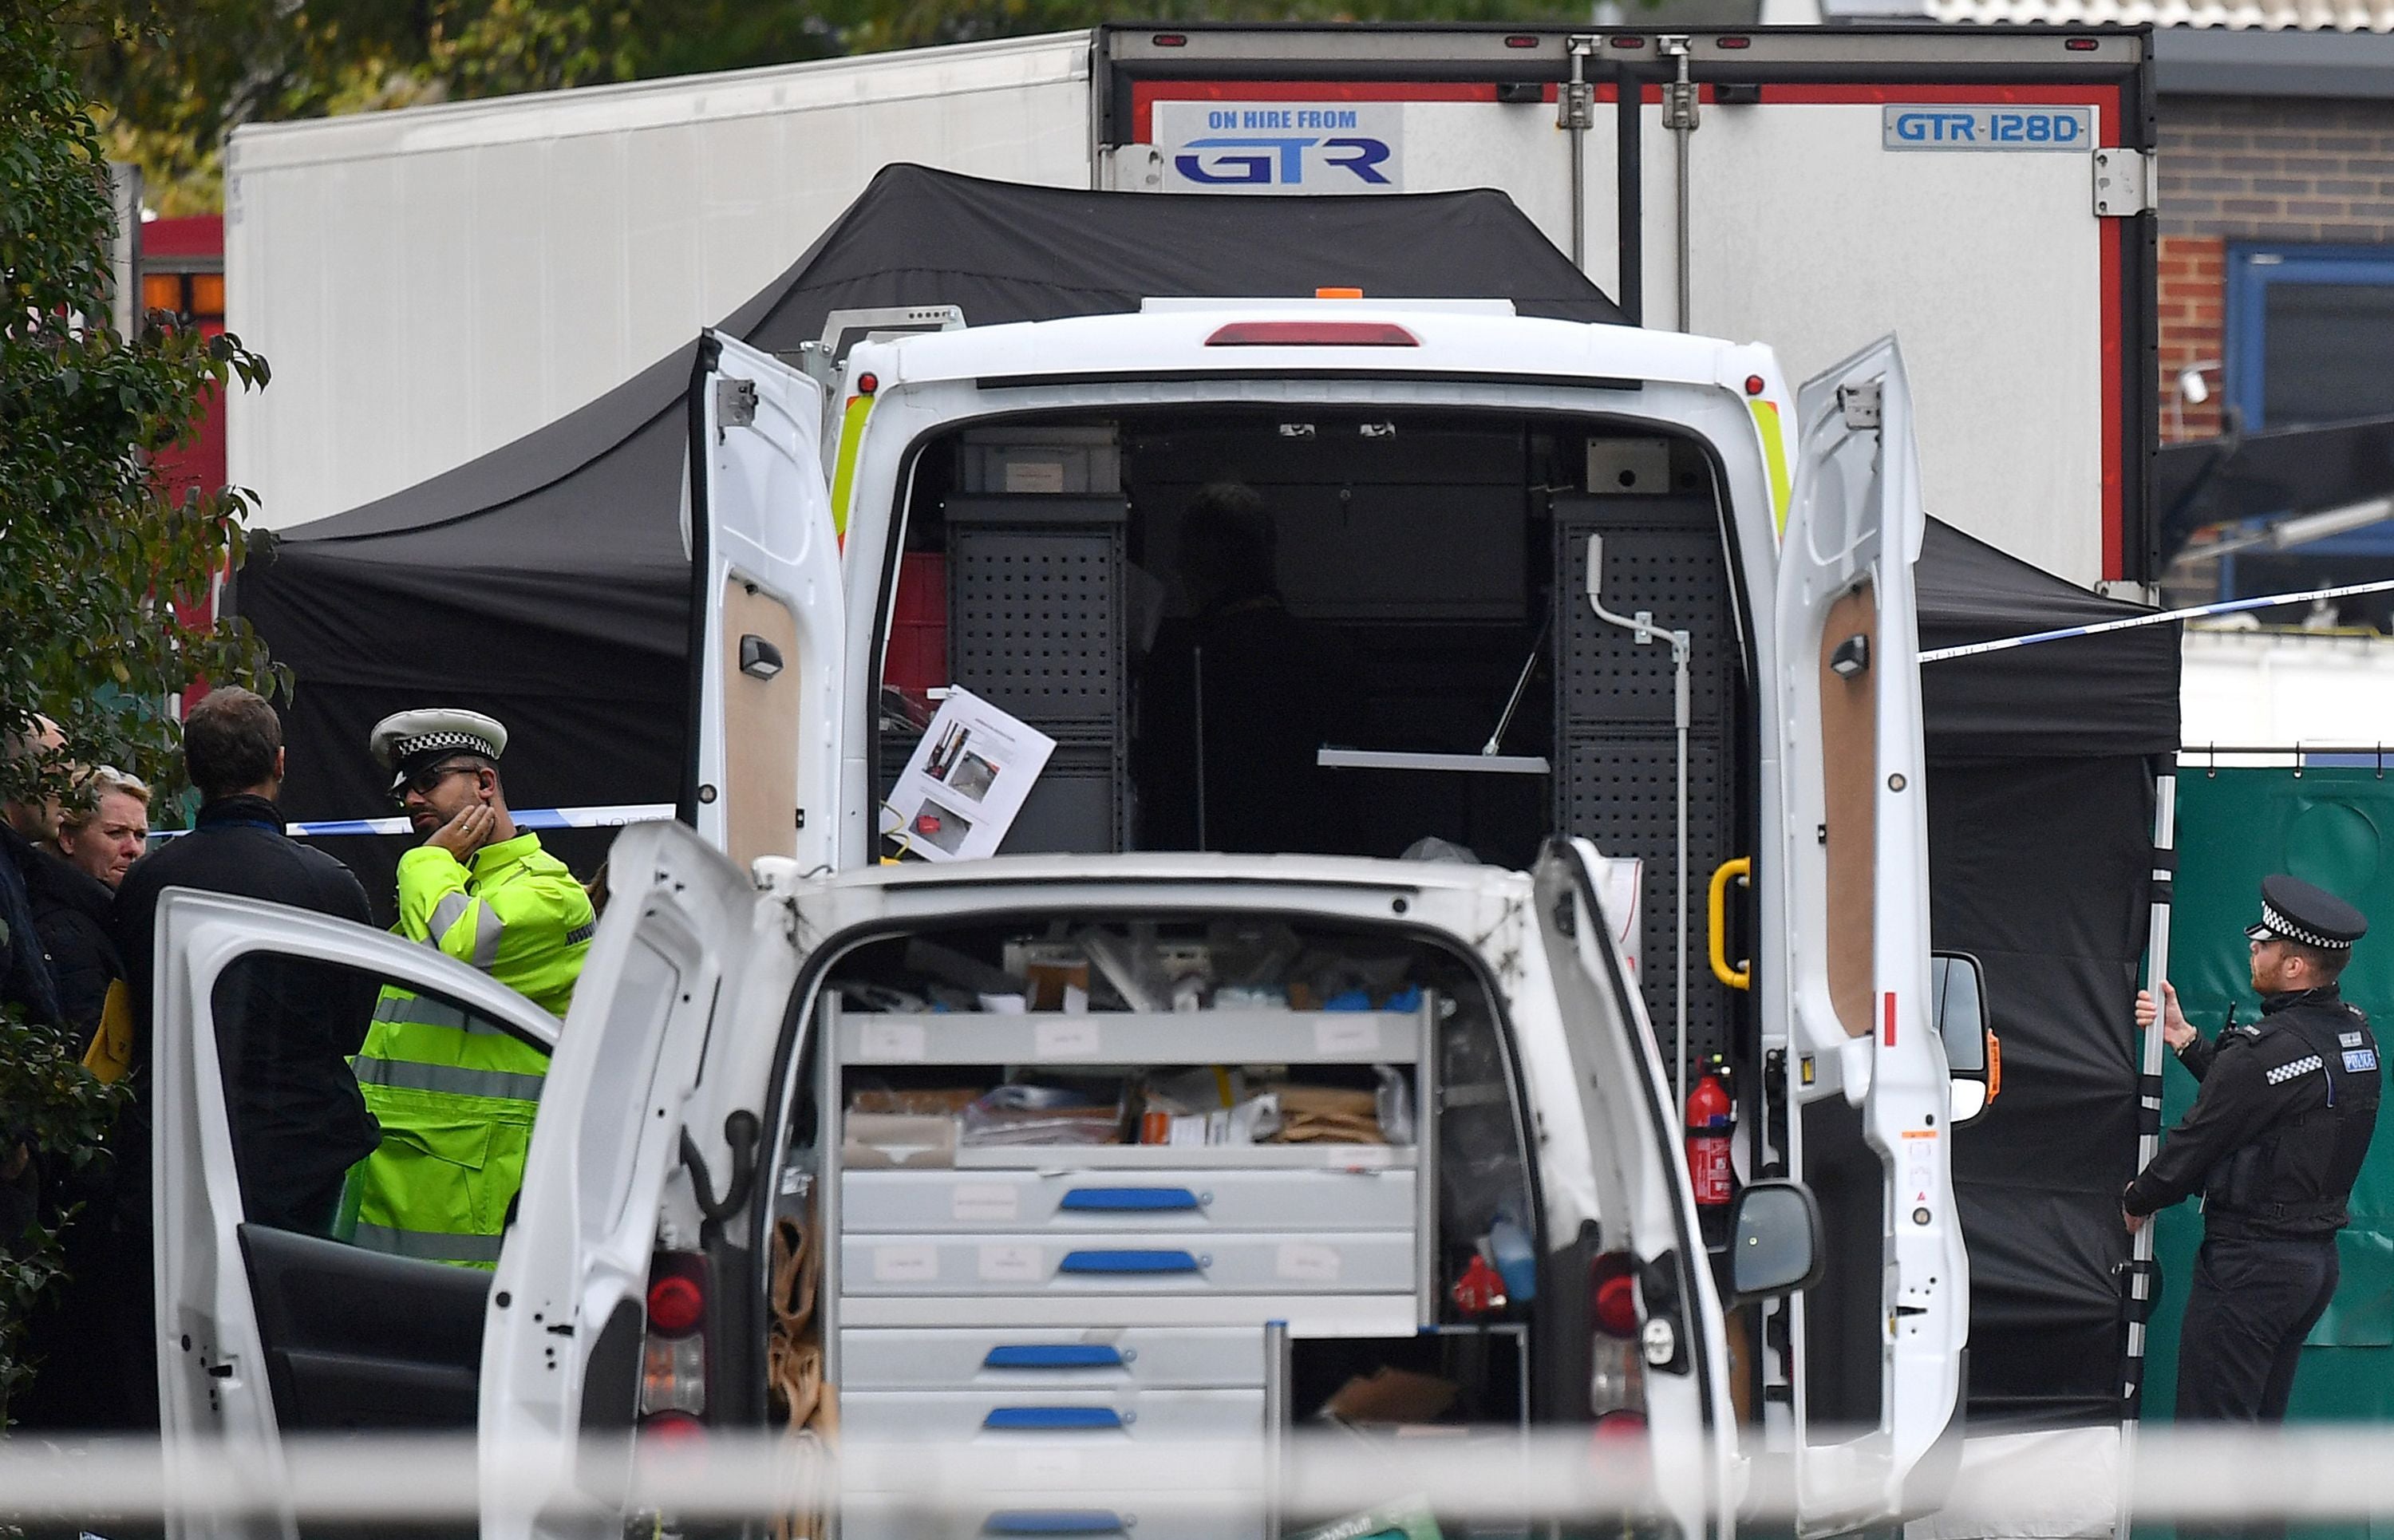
(447, 913)
(415, 1010)
(429, 1246)
(400, 1074)
(488, 928)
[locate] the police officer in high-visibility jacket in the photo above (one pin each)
(455, 1096)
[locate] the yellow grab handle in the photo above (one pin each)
(1717, 912)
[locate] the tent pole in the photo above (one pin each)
(2143, 1277)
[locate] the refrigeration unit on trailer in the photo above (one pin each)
(1984, 194)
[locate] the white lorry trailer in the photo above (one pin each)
(434, 282)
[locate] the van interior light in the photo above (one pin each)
(1313, 333)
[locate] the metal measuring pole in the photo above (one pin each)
(2141, 1274)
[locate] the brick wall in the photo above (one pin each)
(2256, 169)
(2278, 169)
(2194, 283)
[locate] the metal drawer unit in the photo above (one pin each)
(1072, 1300)
(1023, 1358)
(1087, 1204)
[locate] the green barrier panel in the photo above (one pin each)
(2331, 826)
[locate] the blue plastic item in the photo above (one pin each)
(1517, 1260)
(1349, 999)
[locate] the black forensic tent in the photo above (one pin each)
(2040, 836)
(545, 582)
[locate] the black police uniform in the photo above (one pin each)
(2275, 1141)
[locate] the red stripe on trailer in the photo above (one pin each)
(1890, 1018)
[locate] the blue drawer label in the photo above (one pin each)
(1130, 1200)
(1045, 1417)
(1053, 1355)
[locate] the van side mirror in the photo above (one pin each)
(1774, 1241)
(1957, 994)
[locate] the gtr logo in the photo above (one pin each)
(1215, 145)
(1274, 161)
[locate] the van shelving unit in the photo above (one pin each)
(1086, 1297)
(1614, 779)
(1037, 627)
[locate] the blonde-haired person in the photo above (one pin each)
(106, 828)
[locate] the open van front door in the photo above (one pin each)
(768, 621)
(561, 1349)
(1879, 1345)
(266, 1327)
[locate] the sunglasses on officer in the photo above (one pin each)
(423, 781)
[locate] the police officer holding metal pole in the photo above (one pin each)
(2275, 1140)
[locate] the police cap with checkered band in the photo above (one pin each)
(2297, 911)
(411, 741)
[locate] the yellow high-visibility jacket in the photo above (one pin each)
(455, 1095)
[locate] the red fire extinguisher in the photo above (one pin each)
(1711, 1114)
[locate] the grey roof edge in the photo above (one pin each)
(2225, 61)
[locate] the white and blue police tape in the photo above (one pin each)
(528, 819)
(2225, 607)
(531, 820)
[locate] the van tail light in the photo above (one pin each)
(673, 1355)
(1313, 333)
(1613, 1294)
(1616, 1369)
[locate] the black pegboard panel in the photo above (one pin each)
(1663, 555)
(1620, 792)
(1036, 621)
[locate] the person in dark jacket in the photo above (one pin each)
(2275, 1141)
(71, 904)
(25, 979)
(285, 1028)
(71, 883)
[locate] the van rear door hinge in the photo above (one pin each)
(2126, 183)
(735, 402)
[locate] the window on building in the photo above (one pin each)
(2310, 332)
(193, 299)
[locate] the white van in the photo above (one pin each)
(1485, 1089)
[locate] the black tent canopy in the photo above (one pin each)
(2040, 839)
(547, 584)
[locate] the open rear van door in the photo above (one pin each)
(265, 1332)
(562, 1355)
(767, 610)
(1879, 1345)
(1641, 1171)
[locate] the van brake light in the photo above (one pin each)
(1313, 333)
(674, 1354)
